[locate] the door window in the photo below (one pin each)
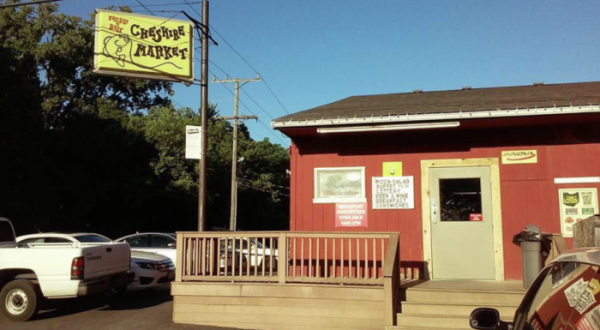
(160, 241)
(565, 294)
(460, 199)
(137, 241)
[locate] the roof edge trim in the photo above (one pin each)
(481, 114)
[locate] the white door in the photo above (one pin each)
(462, 237)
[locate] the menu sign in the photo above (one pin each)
(393, 192)
(576, 204)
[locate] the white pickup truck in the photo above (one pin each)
(56, 266)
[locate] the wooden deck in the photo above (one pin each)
(288, 281)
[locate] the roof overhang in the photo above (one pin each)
(391, 118)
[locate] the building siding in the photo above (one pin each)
(528, 192)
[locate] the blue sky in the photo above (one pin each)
(316, 52)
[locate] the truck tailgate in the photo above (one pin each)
(106, 259)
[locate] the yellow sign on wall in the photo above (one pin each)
(143, 46)
(519, 157)
(392, 169)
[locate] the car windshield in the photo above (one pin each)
(92, 239)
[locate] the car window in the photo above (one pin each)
(6, 232)
(244, 244)
(561, 296)
(138, 241)
(92, 239)
(43, 240)
(160, 241)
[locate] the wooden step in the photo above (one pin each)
(423, 328)
(507, 312)
(469, 297)
(433, 321)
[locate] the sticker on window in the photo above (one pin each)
(475, 217)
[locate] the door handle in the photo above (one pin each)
(434, 210)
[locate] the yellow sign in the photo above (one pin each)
(392, 169)
(143, 46)
(519, 157)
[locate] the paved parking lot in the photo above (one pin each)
(147, 310)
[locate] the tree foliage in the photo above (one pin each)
(79, 151)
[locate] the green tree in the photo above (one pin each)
(80, 151)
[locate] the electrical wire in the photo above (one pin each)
(263, 190)
(19, 4)
(146, 8)
(244, 179)
(169, 4)
(253, 68)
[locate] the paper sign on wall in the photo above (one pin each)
(193, 142)
(576, 204)
(351, 215)
(393, 192)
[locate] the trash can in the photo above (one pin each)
(532, 243)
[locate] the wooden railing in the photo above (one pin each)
(294, 257)
(287, 257)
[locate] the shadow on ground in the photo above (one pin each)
(130, 301)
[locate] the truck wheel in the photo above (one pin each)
(19, 300)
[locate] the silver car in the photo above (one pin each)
(565, 295)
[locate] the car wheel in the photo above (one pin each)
(267, 263)
(19, 300)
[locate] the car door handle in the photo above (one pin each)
(108, 249)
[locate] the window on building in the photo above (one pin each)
(460, 198)
(339, 185)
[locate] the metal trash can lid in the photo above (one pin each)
(533, 229)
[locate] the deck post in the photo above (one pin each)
(282, 257)
(178, 266)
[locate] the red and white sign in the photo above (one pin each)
(475, 217)
(351, 215)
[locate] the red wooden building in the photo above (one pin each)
(456, 173)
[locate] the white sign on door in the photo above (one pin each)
(393, 192)
(193, 142)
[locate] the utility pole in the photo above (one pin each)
(235, 118)
(204, 116)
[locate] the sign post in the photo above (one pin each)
(140, 46)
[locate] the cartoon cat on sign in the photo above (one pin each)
(118, 47)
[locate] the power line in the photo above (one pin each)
(146, 8)
(168, 4)
(263, 190)
(270, 130)
(252, 112)
(244, 179)
(36, 2)
(194, 9)
(253, 68)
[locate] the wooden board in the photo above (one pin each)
(275, 306)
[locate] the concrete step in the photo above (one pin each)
(433, 321)
(507, 312)
(462, 296)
